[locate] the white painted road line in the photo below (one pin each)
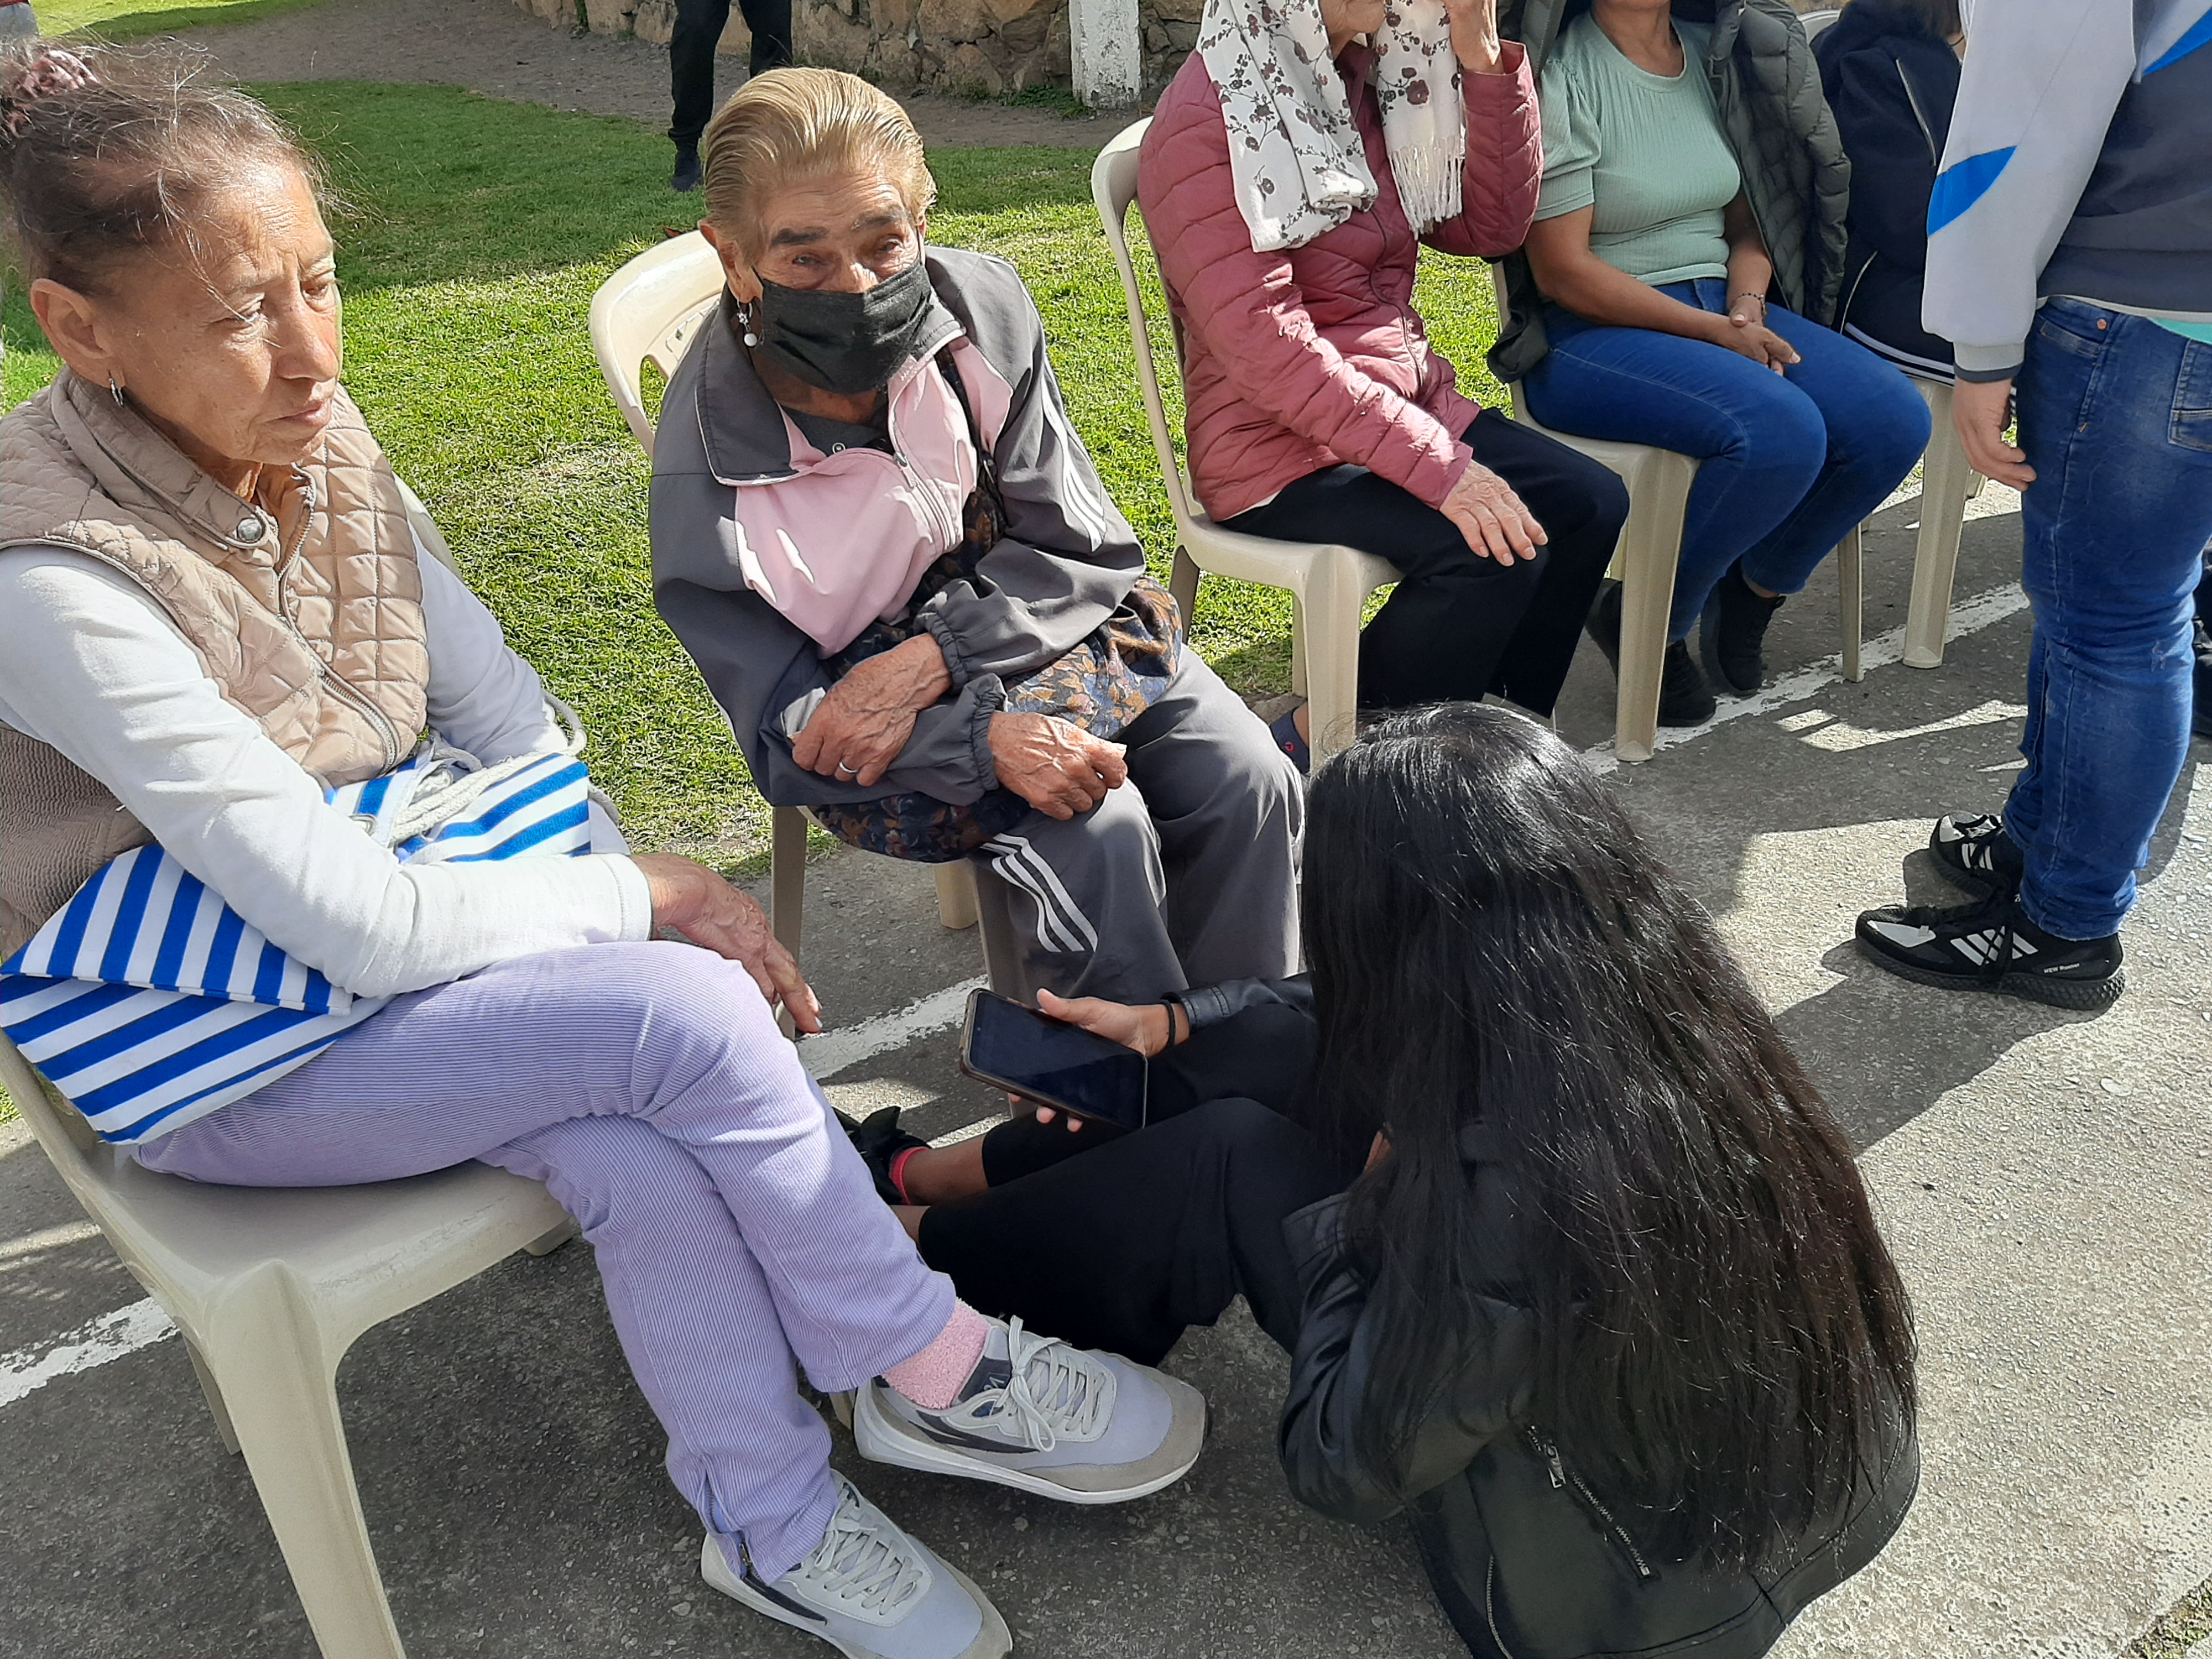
(1983, 610)
(108, 1338)
(841, 1050)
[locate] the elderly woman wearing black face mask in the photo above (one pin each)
(875, 529)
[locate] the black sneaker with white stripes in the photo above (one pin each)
(1975, 852)
(1991, 945)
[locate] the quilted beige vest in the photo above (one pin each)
(305, 610)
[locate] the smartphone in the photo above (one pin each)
(1064, 1066)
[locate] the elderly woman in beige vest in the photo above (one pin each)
(216, 611)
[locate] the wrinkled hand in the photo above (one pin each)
(859, 728)
(1056, 767)
(699, 904)
(1475, 35)
(1145, 1027)
(1753, 339)
(1981, 410)
(1492, 517)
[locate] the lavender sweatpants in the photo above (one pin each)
(648, 1087)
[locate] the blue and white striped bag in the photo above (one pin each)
(149, 1002)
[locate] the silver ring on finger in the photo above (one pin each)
(845, 771)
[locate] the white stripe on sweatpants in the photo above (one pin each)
(1025, 867)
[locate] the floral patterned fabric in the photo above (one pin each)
(1296, 155)
(1101, 685)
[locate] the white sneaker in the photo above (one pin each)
(1042, 1417)
(870, 1591)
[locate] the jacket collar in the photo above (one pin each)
(747, 438)
(128, 457)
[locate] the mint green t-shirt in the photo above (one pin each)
(1643, 151)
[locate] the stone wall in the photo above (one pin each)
(991, 47)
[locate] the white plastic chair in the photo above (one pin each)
(1327, 584)
(1947, 481)
(650, 310)
(270, 1287)
(1650, 547)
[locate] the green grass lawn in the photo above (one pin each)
(127, 20)
(474, 235)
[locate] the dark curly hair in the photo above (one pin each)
(108, 152)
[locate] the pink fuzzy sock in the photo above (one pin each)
(933, 1377)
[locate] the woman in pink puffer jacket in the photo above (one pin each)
(1285, 174)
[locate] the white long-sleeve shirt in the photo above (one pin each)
(91, 664)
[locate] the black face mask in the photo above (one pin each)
(843, 343)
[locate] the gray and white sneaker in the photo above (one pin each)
(870, 1591)
(1040, 1416)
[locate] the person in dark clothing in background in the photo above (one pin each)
(1572, 1262)
(1890, 69)
(699, 26)
(2201, 644)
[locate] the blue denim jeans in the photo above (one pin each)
(2116, 416)
(1789, 462)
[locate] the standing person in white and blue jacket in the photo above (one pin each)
(2069, 263)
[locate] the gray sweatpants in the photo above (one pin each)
(1185, 875)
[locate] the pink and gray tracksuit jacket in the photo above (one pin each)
(741, 501)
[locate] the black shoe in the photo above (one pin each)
(1991, 945)
(1734, 629)
(1973, 850)
(2201, 721)
(687, 169)
(879, 1140)
(1684, 699)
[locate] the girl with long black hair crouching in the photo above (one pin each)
(1572, 1261)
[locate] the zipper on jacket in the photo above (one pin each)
(1490, 1606)
(946, 523)
(1927, 132)
(387, 735)
(1563, 1477)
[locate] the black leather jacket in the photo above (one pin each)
(1527, 1561)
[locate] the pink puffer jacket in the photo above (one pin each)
(1310, 357)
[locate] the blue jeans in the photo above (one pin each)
(1790, 463)
(2116, 416)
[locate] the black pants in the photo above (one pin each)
(699, 26)
(1460, 625)
(1121, 1242)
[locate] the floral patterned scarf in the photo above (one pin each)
(1293, 148)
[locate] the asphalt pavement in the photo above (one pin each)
(2045, 1178)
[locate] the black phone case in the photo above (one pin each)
(968, 1068)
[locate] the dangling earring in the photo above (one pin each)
(745, 318)
(116, 392)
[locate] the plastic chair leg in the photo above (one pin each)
(223, 1431)
(1329, 647)
(1301, 679)
(1944, 479)
(787, 875)
(956, 895)
(1850, 602)
(285, 1406)
(1650, 547)
(546, 1243)
(1182, 586)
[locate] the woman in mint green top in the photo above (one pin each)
(1656, 279)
